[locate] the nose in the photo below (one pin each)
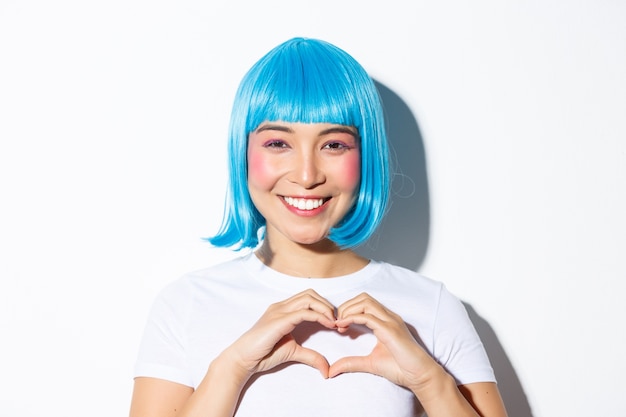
(307, 171)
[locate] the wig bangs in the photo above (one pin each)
(303, 86)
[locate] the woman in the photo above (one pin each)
(303, 325)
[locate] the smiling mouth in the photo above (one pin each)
(305, 203)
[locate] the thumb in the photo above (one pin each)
(350, 364)
(312, 358)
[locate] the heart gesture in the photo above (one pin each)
(396, 356)
(269, 342)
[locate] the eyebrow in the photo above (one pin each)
(340, 129)
(280, 128)
(287, 129)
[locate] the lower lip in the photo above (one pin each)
(305, 213)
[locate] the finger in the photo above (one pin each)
(342, 329)
(294, 318)
(288, 350)
(350, 364)
(310, 300)
(385, 331)
(371, 321)
(272, 327)
(310, 294)
(355, 300)
(311, 358)
(363, 303)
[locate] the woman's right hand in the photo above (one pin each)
(269, 342)
(266, 345)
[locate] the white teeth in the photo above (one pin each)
(304, 203)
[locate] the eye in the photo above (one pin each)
(275, 144)
(337, 146)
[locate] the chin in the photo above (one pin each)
(307, 241)
(313, 241)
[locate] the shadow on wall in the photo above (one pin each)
(402, 238)
(508, 382)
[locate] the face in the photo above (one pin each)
(302, 178)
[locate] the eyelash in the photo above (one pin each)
(331, 146)
(336, 146)
(275, 144)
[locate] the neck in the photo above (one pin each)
(321, 260)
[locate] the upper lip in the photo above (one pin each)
(308, 203)
(306, 197)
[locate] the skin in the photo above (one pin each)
(319, 161)
(303, 161)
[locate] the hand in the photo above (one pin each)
(269, 342)
(396, 356)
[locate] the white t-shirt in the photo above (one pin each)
(198, 316)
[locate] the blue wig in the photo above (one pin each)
(307, 81)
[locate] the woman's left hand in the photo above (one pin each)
(396, 356)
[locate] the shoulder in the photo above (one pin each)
(402, 277)
(417, 295)
(232, 267)
(198, 282)
(408, 292)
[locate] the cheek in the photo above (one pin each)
(260, 173)
(351, 171)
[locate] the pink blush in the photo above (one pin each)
(350, 170)
(260, 170)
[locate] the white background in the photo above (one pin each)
(113, 116)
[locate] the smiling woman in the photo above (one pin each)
(305, 81)
(248, 337)
(302, 179)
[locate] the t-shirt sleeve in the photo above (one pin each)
(456, 343)
(163, 345)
